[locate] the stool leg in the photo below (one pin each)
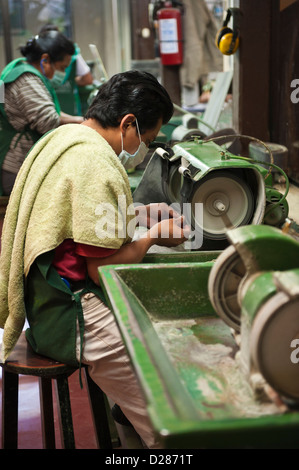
(99, 414)
(10, 391)
(47, 415)
(65, 413)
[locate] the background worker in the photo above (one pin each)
(67, 86)
(31, 108)
(83, 73)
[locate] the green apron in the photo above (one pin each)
(7, 132)
(52, 311)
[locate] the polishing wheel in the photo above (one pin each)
(274, 338)
(173, 188)
(227, 202)
(224, 281)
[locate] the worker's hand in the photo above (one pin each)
(151, 214)
(170, 232)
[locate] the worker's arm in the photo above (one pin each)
(83, 73)
(68, 119)
(169, 233)
(84, 80)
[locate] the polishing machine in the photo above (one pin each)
(231, 190)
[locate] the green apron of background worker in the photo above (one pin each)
(31, 108)
(7, 132)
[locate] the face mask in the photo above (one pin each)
(58, 78)
(131, 160)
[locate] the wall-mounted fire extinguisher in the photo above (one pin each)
(170, 35)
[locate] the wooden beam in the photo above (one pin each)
(171, 81)
(252, 69)
(286, 3)
(285, 71)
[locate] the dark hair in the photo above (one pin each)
(51, 42)
(134, 92)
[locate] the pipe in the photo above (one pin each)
(6, 30)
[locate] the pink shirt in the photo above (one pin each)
(69, 258)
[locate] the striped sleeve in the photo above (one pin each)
(30, 103)
(27, 102)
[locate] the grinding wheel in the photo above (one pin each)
(274, 338)
(227, 202)
(224, 280)
(173, 187)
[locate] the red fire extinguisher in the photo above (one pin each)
(170, 36)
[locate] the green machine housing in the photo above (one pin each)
(253, 286)
(216, 189)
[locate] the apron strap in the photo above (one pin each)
(80, 319)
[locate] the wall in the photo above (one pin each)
(105, 23)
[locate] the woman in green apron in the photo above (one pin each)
(31, 107)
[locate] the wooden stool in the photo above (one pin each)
(23, 360)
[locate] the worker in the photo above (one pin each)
(71, 211)
(30, 107)
(78, 74)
